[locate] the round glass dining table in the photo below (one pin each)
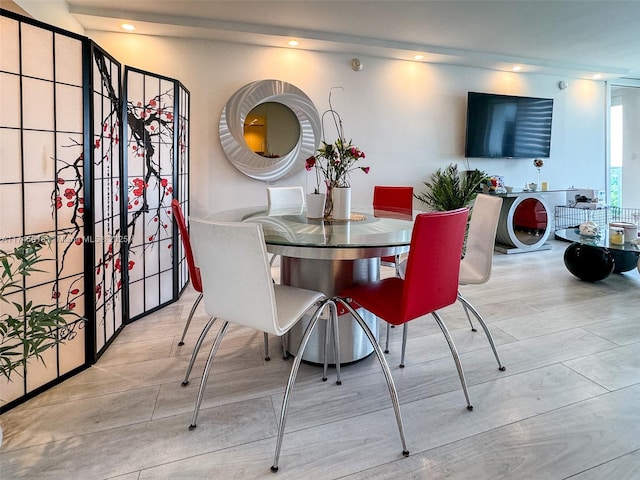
(329, 255)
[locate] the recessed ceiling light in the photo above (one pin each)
(596, 76)
(516, 68)
(293, 43)
(418, 57)
(128, 27)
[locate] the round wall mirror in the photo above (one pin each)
(290, 131)
(271, 130)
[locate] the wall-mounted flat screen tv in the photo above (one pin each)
(506, 126)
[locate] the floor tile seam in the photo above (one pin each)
(609, 390)
(208, 452)
(600, 464)
(155, 403)
(122, 340)
(555, 332)
(614, 346)
(503, 375)
(216, 404)
(79, 436)
(590, 379)
(479, 347)
(608, 339)
(26, 408)
(487, 431)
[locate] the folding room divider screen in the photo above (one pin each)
(157, 167)
(109, 242)
(42, 185)
(64, 176)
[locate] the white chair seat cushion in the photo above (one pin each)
(292, 303)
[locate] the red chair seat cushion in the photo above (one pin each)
(381, 297)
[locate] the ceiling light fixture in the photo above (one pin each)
(516, 68)
(128, 27)
(596, 76)
(418, 57)
(292, 43)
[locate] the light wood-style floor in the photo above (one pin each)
(568, 405)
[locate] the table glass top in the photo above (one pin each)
(289, 226)
(602, 240)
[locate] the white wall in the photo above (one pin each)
(408, 117)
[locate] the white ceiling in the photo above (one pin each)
(566, 37)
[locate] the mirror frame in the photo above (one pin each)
(231, 129)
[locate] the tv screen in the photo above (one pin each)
(506, 126)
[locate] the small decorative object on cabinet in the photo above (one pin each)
(538, 163)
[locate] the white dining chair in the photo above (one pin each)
(285, 196)
(476, 266)
(237, 288)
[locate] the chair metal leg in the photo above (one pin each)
(196, 349)
(385, 369)
(292, 379)
(186, 325)
(327, 335)
(266, 347)
(466, 311)
(386, 345)
(475, 312)
(205, 373)
(332, 326)
(404, 344)
(333, 320)
(389, 326)
(456, 357)
(285, 341)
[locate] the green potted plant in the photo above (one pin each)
(26, 330)
(448, 190)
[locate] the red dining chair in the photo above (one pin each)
(430, 282)
(396, 202)
(194, 272)
(475, 266)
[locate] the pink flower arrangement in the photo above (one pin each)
(335, 161)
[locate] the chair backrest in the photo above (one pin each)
(285, 196)
(194, 272)
(393, 199)
(431, 277)
(236, 277)
(483, 223)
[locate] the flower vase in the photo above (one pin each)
(328, 202)
(341, 203)
(315, 205)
